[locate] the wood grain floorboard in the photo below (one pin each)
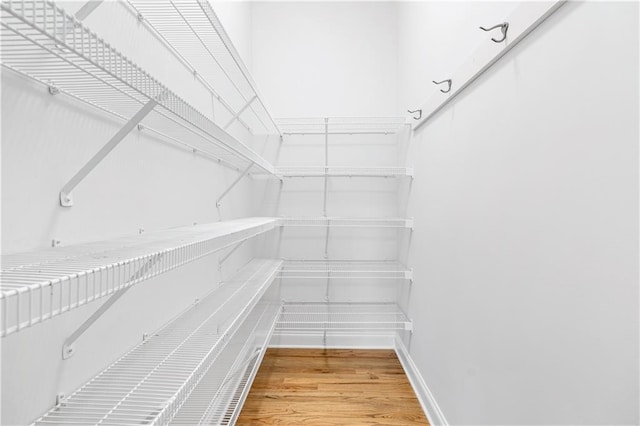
(331, 387)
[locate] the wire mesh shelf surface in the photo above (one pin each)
(328, 221)
(356, 269)
(36, 286)
(149, 383)
(218, 397)
(43, 42)
(336, 316)
(337, 171)
(194, 32)
(341, 125)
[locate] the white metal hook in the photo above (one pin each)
(503, 28)
(448, 81)
(419, 111)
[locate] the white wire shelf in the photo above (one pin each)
(333, 316)
(351, 269)
(340, 125)
(347, 222)
(218, 397)
(332, 171)
(43, 42)
(192, 30)
(37, 286)
(150, 383)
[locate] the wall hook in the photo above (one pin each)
(419, 111)
(444, 81)
(503, 27)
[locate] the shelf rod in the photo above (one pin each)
(65, 194)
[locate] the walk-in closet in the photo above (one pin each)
(319, 212)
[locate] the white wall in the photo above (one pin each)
(144, 183)
(525, 250)
(236, 18)
(435, 38)
(316, 59)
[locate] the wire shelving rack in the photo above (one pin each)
(151, 382)
(41, 41)
(350, 269)
(340, 125)
(342, 171)
(342, 316)
(346, 222)
(192, 30)
(37, 286)
(219, 396)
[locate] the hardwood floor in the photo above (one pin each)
(331, 387)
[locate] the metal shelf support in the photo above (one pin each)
(234, 183)
(237, 115)
(66, 199)
(87, 9)
(326, 165)
(68, 348)
(224, 258)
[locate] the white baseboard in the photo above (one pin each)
(427, 401)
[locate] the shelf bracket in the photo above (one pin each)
(66, 199)
(68, 347)
(226, 256)
(326, 240)
(82, 13)
(237, 115)
(326, 166)
(234, 183)
(87, 9)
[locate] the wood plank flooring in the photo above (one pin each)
(331, 387)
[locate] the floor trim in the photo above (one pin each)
(427, 401)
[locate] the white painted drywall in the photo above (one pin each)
(144, 183)
(525, 249)
(316, 59)
(236, 19)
